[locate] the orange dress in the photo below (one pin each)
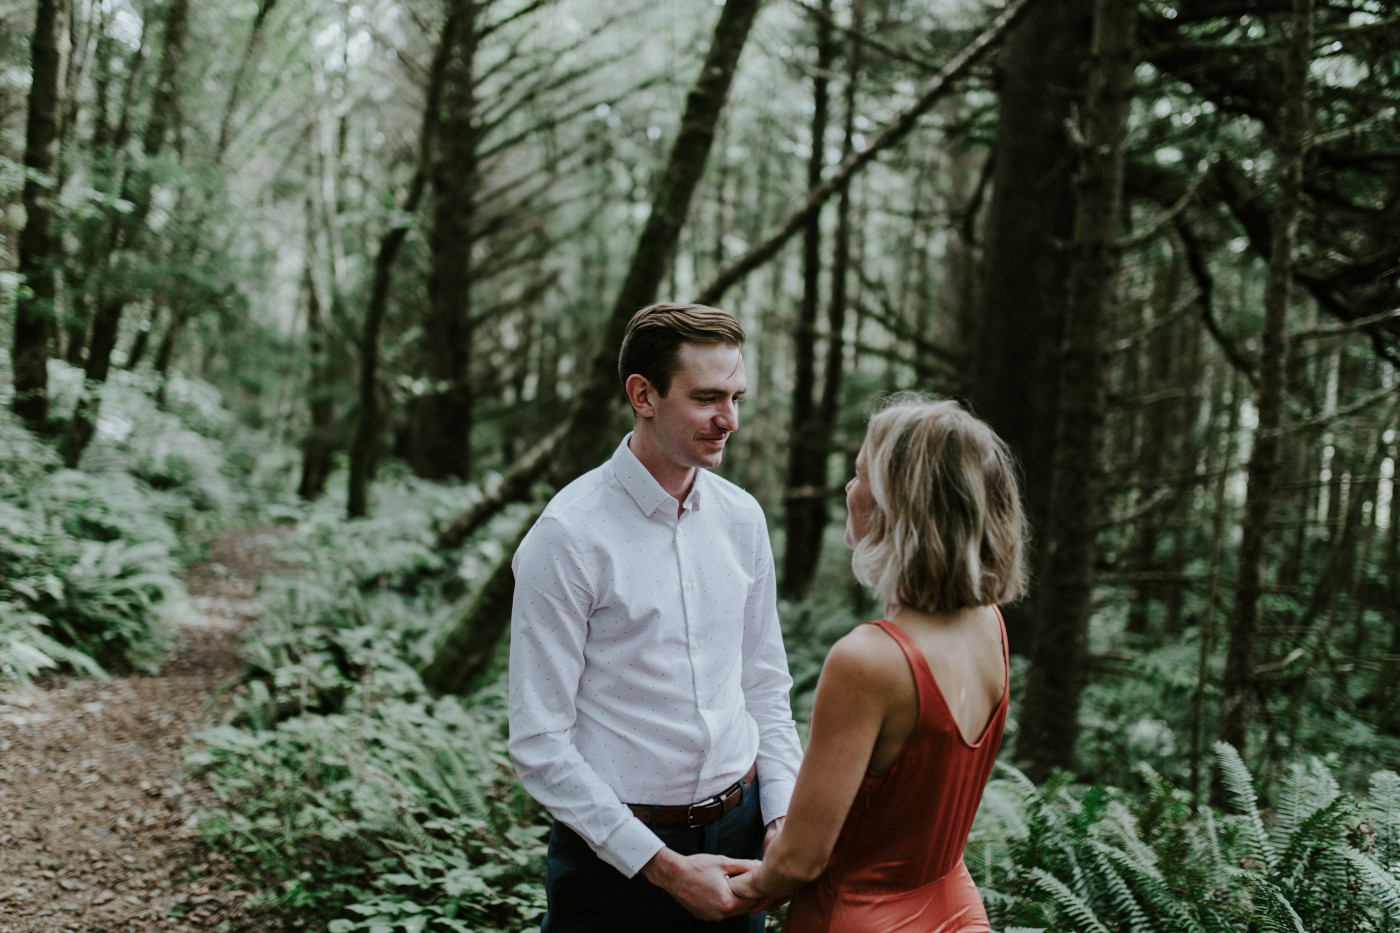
(897, 866)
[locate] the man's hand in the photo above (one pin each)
(773, 829)
(699, 883)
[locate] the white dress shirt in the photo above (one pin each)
(646, 662)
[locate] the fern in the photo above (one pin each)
(1239, 783)
(1117, 891)
(1274, 913)
(1383, 815)
(1074, 908)
(1382, 884)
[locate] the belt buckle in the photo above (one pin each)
(703, 810)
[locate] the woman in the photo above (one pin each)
(909, 710)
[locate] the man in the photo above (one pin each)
(649, 688)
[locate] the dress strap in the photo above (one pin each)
(1005, 646)
(924, 683)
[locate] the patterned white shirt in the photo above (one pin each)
(646, 661)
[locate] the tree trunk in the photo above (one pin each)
(440, 445)
(364, 449)
(1237, 704)
(1188, 371)
(824, 422)
(136, 188)
(1161, 432)
(108, 141)
(1056, 680)
(142, 340)
(38, 247)
(1228, 388)
(804, 503)
(1025, 267)
(1387, 602)
(318, 448)
(586, 440)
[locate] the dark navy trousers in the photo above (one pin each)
(587, 895)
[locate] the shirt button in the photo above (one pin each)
(690, 586)
(695, 644)
(703, 705)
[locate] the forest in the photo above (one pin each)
(358, 270)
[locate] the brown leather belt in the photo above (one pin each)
(698, 814)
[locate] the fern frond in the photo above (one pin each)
(1120, 894)
(1239, 783)
(1383, 810)
(1383, 884)
(1322, 831)
(1066, 902)
(1147, 881)
(1273, 911)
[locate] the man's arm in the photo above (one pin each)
(549, 623)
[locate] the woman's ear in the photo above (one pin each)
(642, 395)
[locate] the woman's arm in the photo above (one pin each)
(853, 698)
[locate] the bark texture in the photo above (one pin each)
(440, 445)
(1050, 721)
(1015, 367)
(38, 247)
(804, 502)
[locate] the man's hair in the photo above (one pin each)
(651, 345)
(947, 530)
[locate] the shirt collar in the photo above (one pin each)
(643, 487)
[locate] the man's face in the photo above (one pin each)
(695, 418)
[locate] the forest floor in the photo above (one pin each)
(97, 826)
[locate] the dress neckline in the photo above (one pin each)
(912, 653)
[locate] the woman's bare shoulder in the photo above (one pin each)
(866, 651)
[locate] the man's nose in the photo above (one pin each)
(728, 416)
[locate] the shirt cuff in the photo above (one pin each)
(774, 798)
(630, 847)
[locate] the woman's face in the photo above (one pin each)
(859, 504)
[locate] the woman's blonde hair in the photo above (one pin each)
(947, 530)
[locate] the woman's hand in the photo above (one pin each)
(748, 887)
(743, 886)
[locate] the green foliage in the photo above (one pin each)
(88, 558)
(363, 802)
(1103, 861)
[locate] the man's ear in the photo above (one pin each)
(642, 395)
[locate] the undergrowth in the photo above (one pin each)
(1102, 859)
(89, 557)
(367, 805)
(362, 802)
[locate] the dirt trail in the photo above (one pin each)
(96, 822)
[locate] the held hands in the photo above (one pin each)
(700, 883)
(745, 887)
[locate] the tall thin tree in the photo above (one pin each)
(1237, 703)
(1056, 681)
(38, 247)
(137, 188)
(804, 503)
